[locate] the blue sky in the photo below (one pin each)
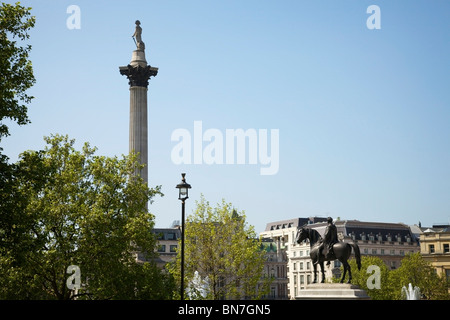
(363, 115)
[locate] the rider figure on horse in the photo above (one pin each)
(329, 239)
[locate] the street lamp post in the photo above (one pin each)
(183, 194)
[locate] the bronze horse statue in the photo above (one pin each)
(341, 251)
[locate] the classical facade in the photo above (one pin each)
(275, 267)
(435, 248)
(388, 241)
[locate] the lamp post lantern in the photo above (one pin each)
(183, 195)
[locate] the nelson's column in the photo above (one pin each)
(138, 73)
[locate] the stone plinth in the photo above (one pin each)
(332, 291)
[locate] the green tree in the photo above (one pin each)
(16, 76)
(85, 210)
(415, 270)
(16, 72)
(373, 280)
(220, 246)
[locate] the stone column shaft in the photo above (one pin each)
(138, 142)
(138, 76)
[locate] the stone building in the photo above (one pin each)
(275, 267)
(435, 248)
(167, 245)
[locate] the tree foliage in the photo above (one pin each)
(362, 278)
(16, 72)
(220, 246)
(414, 269)
(77, 208)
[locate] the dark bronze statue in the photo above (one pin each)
(329, 239)
(328, 249)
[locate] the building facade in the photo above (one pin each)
(275, 267)
(435, 248)
(167, 245)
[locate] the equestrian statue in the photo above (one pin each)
(328, 248)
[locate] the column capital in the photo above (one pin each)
(138, 76)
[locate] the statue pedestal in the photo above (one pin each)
(332, 291)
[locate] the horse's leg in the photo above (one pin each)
(349, 273)
(323, 272)
(315, 272)
(345, 271)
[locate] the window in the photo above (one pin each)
(431, 248)
(272, 292)
(301, 265)
(302, 279)
(162, 248)
(382, 251)
(173, 248)
(374, 251)
(446, 248)
(171, 236)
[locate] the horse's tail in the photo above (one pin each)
(357, 254)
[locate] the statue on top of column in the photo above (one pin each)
(137, 36)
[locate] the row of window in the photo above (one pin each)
(301, 265)
(278, 272)
(384, 252)
(303, 278)
(301, 253)
(166, 236)
(172, 248)
(379, 237)
(446, 247)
